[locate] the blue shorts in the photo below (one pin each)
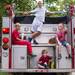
(64, 43)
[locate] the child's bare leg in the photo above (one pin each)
(59, 51)
(40, 66)
(34, 40)
(68, 49)
(35, 34)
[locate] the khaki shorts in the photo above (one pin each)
(37, 25)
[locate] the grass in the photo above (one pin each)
(3, 73)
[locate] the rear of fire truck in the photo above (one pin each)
(14, 57)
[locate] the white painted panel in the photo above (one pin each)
(63, 63)
(19, 57)
(47, 28)
(5, 22)
(44, 38)
(5, 59)
(73, 73)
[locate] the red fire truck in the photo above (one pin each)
(14, 57)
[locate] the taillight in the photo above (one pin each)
(5, 43)
(5, 40)
(5, 30)
(5, 46)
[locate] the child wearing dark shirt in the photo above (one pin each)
(44, 60)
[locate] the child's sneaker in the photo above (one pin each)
(29, 39)
(59, 56)
(69, 57)
(35, 42)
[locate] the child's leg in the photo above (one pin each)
(59, 52)
(36, 30)
(36, 34)
(58, 48)
(40, 66)
(68, 49)
(34, 40)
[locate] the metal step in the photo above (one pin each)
(38, 70)
(43, 45)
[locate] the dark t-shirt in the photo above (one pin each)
(45, 59)
(61, 35)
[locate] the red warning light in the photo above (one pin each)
(5, 40)
(5, 30)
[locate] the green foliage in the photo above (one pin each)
(23, 5)
(50, 1)
(27, 5)
(2, 10)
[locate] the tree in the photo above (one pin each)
(23, 5)
(26, 5)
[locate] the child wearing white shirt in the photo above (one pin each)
(37, 24)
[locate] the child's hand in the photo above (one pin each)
(60, 45)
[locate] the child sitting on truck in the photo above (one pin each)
(44, 60)
(17, 41)
(60, 37)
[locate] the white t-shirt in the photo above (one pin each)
(40, 13)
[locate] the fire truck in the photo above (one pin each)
(14, 57)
